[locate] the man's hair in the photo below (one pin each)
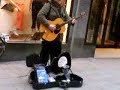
(63, 2)
(44, 0)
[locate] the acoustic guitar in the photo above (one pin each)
(48, 35)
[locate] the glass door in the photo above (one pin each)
(104, 23)
(95, 20)
(106, 38)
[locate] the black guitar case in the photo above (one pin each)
(75, 80)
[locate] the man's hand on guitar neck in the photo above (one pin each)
(52, 27)
(73, 21)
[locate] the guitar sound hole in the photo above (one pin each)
(57, 31)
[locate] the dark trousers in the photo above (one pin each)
(49, 49)
(36, 6)
(117, 39)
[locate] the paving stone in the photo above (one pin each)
(98, 74)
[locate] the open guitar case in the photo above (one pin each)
(60, 78)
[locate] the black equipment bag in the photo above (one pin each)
(75, 80)
(32, 59)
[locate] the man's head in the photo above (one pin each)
(58, 3)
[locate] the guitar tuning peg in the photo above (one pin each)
(73, 17)
(83, 13)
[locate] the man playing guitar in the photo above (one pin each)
(51, 11)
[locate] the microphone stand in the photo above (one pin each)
(67, 76)
(66, 73)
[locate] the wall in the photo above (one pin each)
(78, 31)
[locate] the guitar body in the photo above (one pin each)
(49, 35)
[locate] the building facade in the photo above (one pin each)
(97, 29)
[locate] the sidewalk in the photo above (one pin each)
(98, 74)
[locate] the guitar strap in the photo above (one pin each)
(49, 11)
(58, 14)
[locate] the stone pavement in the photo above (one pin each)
(98, 74)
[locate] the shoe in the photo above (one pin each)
(51, 79)
(14, 32)
(33, 31)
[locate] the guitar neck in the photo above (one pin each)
(62, 24)
(66, 22)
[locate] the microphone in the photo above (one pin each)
(66, 73)
(62, 63)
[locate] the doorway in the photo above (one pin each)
(107, 37)
(103, 29)
(103, 24)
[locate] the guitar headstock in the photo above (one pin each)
(83, 14)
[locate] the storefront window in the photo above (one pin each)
(17, 24)
(103, 25)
